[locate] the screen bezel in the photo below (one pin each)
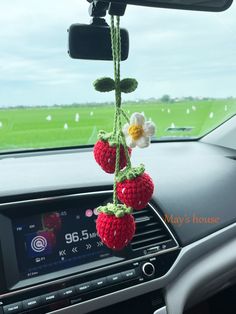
(38, 206)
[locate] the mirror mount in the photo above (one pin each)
(98, 21)
(99, 8)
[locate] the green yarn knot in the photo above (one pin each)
(130, 173)
(118, 210)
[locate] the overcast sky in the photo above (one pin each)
(180, 53)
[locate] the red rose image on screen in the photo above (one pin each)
(52, 221)
(49, 236)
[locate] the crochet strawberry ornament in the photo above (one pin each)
(105, 153)
(115, 225)
(132, 186)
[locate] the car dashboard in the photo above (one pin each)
(52, 261)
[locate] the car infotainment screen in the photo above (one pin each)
(57, 240)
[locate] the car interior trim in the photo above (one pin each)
(195, 253)
(161, 311)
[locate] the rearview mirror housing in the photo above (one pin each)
(93, 42)
(203, 5)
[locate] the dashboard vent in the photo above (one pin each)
(151, 232)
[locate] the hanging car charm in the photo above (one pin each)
(132, 185)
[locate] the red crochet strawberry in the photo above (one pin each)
(105, 153)
(135, 187)
(115, 226)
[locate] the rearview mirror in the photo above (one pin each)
(92, 42)
(198, 5)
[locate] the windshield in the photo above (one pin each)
(184, 62)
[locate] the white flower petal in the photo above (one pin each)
(130, 142)
(149, 128)
(126, 129)
(137, 118)
(143, 142)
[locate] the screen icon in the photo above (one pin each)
(95, 211)
(39, 244)
(88, 213)
(75, 250)
(62, 253)
(88, 246)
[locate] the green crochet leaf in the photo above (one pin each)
(107, 137)
(128, 85)
(104, 136)
(118, 210)
(130, 173)
(104, 84)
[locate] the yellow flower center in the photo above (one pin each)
(136, 131)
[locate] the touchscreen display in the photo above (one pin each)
(57, 240)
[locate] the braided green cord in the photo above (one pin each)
(117, 129)
(117, 165)
(115, 51)
(118, 41)
(123, 141)
(113, 42)
(125, 115)
(114, 55)
(121, 111)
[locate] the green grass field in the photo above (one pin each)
(25, 128)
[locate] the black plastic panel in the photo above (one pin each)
(198, 5)
(67, 292)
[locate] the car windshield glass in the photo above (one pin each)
(184, 62)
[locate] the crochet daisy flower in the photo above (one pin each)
(139, 131)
